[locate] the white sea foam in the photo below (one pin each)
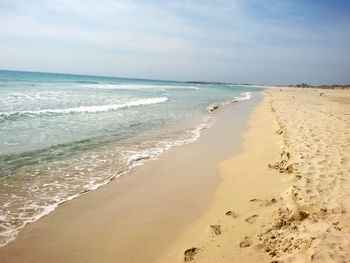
(125, 87)
(139, 87)
(90, 109)
(137, 156)
(243, 96)
(133, 157)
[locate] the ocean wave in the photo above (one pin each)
(242, 97)
(87, 109)
(109, 86)
(86, 82)
(137, 156)
(93, 171)
(74, 181)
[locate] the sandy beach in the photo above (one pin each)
(285, 197)
(174, 131)
(273, 189)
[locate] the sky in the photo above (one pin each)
(239, 41)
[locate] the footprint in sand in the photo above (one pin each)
(246, 242)
(266, 202)
(232, 214)
(216, 229)
(190, 253)
(251, 219)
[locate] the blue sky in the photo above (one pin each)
(246, 41)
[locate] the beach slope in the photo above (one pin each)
(286, 196)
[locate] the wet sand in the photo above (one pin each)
(245, 199)
(286, 196)
(135, 218)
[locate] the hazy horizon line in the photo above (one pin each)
(167, 80)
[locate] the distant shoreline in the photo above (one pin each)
(303, 85)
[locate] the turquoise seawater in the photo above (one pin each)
(62, 135)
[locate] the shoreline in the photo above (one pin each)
(247, 194)
(119, 203)
(275, 189)
(132, 154)
(285, 197)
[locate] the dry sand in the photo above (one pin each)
(286, 196)
(314, 223)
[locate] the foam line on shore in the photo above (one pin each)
(88, 109)
(133, 158)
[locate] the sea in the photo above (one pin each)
(64, 135)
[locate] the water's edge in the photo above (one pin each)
(134, 161)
